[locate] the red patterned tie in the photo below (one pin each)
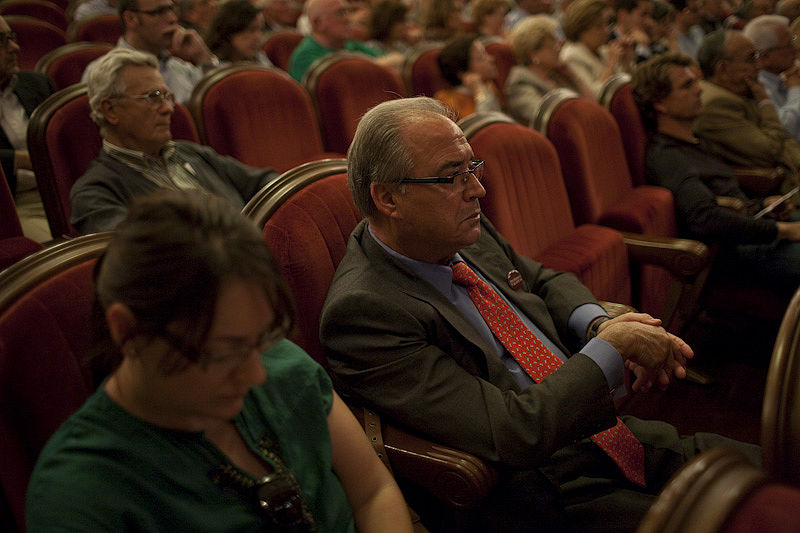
(538, 361)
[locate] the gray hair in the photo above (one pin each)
(713, 50)
(529, 35)
(104, 80)
(379, 152)
(762, 31)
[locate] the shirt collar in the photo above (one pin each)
(12, 84)
(135, 157)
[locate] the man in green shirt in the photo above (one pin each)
(330, 32)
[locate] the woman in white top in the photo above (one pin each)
(586, 52)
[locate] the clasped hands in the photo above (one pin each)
(653, 354)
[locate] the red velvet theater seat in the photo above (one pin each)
(258, 115)
(45, 303)
(344, 86)
(526, 200)
(617, 97)
(65, 64)
(38, 9)
(13, 245)
(279, 47)
(99, 29)
(421, 74)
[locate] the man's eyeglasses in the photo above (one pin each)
(7, 36)
(154, 98)
(475, 169)
(158, 11)
(230, 356)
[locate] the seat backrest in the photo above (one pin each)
(702, 496)
(343, 87)
(258, 115)
(40, 9)
(593, 163)
(420, 71)
(780, 418)
(63, 140)
(279, 47)
(504, 59)
(525, 196)
(65, 64)
(527, 201)
(102, 28)
(35, 37)
(9, 221)
(617, 97)
(45, 303)
(307, 215)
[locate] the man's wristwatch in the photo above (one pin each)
(594, 327)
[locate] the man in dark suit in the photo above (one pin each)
(404, 337)
(20, 94)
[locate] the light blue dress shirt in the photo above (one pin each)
(441, 277)
(786, 100)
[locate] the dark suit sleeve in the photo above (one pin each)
(398, 353)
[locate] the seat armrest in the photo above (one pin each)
(458, 479)
(681, 257)
(762, 181)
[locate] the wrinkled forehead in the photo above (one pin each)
(431, 136)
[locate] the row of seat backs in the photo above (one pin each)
(38, 9)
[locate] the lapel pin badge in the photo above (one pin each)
(514, 279)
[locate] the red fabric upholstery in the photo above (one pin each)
(43, 337)
(600, 189)
(425, 76)
(504, 59)
(261, 117)
(63, 140)
(526, 200)
(770, 509)
(40, 9)
(13, 246)
(308, 237)
(279, 47)
(35, 38)
(65, 64)
(343, 91)
(634, 136)
(12, 249)
(102, 29)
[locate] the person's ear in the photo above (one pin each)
(108, 111)
(658, 106)
(130, 18)
(121, 323)
(384, 196)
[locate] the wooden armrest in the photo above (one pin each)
(458, 479)
(682, 257)
(761, 181)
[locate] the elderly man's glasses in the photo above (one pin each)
(6, 37)
(158, 11)
(154, 98)
(475, 169)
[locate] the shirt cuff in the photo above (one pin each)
(581, 317)
(610, 362)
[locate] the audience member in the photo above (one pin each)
(789, 9)
(235, 33)
(133, 108)
(330, 31)
(280, 15)
(777, 71)
(470, 69)
(196, 14)
(709, 204)
(526, 8)
(403, 334)
(152, 26)
(20, 93)
(488, 17)
(586, 28)
(713, 14)
(633, 18)
(442, 20)
(538, 70)
(738, 119)
(94, 8)
(663, 35)
(389, 28)
(687, 23)
(210, 420)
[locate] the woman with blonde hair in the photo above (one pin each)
(586, 27)
(536, 46)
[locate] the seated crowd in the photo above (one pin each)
(432, 319)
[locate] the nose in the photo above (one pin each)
(474, 188)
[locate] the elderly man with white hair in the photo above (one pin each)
(777, 71)
(330, 31)
(133, 107)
